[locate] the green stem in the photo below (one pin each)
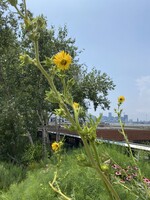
(38, 63)
(70, 118)
(25, 7)
(76, 115)
(50, 81)
(127, 141)
(108, 185)
(57, 190)
(131, 154)
(95, 152)
(20, 13)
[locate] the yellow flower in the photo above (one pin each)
(75, 106)
(62, 60)
(121, 99)
(55, 146)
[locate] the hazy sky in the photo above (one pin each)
(116, 37)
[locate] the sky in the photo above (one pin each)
(115, 36)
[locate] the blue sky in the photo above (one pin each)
(116, 37)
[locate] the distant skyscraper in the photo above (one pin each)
(125, 118)
(110, 115)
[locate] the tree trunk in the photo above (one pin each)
(44, 139)
(57, 130)
(30, 139)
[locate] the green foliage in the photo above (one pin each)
(120, 156)
(10, 174)
(33, 153)
(79, 183)
(11, 141)
(73, 179)
(11, 119)
(94, 86)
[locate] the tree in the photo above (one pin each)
(18, 121)
(93, 86)
(10, 121)
(23, 87)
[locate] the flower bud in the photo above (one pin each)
(25, 59)
(104, 167)
(13, 2)
(28, 24)
(75, 106)
(40, 22)
(48, 61)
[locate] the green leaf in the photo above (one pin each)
(52, 97)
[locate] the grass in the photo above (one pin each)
(10, 174)
(77, 182)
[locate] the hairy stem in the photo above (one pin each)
(112, 193)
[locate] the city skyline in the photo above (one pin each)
(113, 118)
(116, 38)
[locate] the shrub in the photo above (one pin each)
(79, 183)
(32, 154)
(10, 174)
